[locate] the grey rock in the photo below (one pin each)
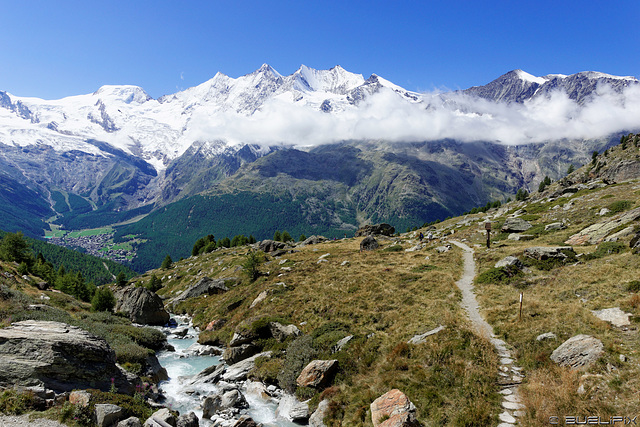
(443, 249)
(509, 261)
(422, 338)
(620, 234)
(316, 419)
(515, 225)
(210, 375)
(187, 420)
(233, 355)
(313, 240)
(340, 344)
(271, 245)
(382, 229)
(555, 226)
(130, 422)
(211, 405)
(292, 409)
(234, 399)
(197, 349)
(546, 336)
(246, 421)
(59, 357)
(369, 243)
(238, 371)
(614, 315)
(578, 351)
(520, 237)
(205, 286)
(595, 233)
(261, 297)
(141, 305)
(107, 414)
(281, 332)
(163, 415)
(542, 252)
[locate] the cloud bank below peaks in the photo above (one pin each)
(385, 115)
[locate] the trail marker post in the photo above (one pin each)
(487, 226)
(520, 314)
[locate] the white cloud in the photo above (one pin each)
(388, 116)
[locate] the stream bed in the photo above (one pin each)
(184, 397)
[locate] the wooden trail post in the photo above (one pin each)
(487, 226)
(520, 315)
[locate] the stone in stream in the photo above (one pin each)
(246, 421)
(316, 419)
(163, 415)
(292, 409)
(187, 420)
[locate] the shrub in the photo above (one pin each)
(154, 284)
(619, 206)
(633, 286)
(267, 370)
(393, 248)
(251, 265)
(604, 249)
(121, 279)
(103, 300)
(299, 353)
(498, 275)
(15, 403)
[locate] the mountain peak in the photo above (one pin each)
(267, 69)
(123, 93)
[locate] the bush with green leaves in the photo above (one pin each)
(499, 275)
(167, 262)
(619, 206)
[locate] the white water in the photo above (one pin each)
(180, 367)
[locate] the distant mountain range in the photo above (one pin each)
(343, 148)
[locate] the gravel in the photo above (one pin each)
(24, 421)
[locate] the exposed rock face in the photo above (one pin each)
(130, 422)
(383, 229)
(515, 225)
(396, 407)
(614, 315)
(317, 373)
(596, 233)
(59, 357)
(578, 351)
(271, 246)
(141, 305)
(541, 252)
(369, 243)
(207, 286)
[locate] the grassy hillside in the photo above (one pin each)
(385, 297)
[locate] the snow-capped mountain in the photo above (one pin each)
(119, 149)
(519, 86)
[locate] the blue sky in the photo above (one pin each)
(52, 49)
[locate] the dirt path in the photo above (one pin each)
(509, 376)
(24, 421)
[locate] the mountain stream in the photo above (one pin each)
(184, 397)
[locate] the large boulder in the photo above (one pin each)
(59, 357)
(141, 305)
(578, 351)
(163, 415)
(369, 243)
(393, 409)
(238, 371)
(515, 225)
(614, 315)
(188, 420)
(383, 229)
(271, 246)
(317, 373)
(204, 286)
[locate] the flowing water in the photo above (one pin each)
(185, 398)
